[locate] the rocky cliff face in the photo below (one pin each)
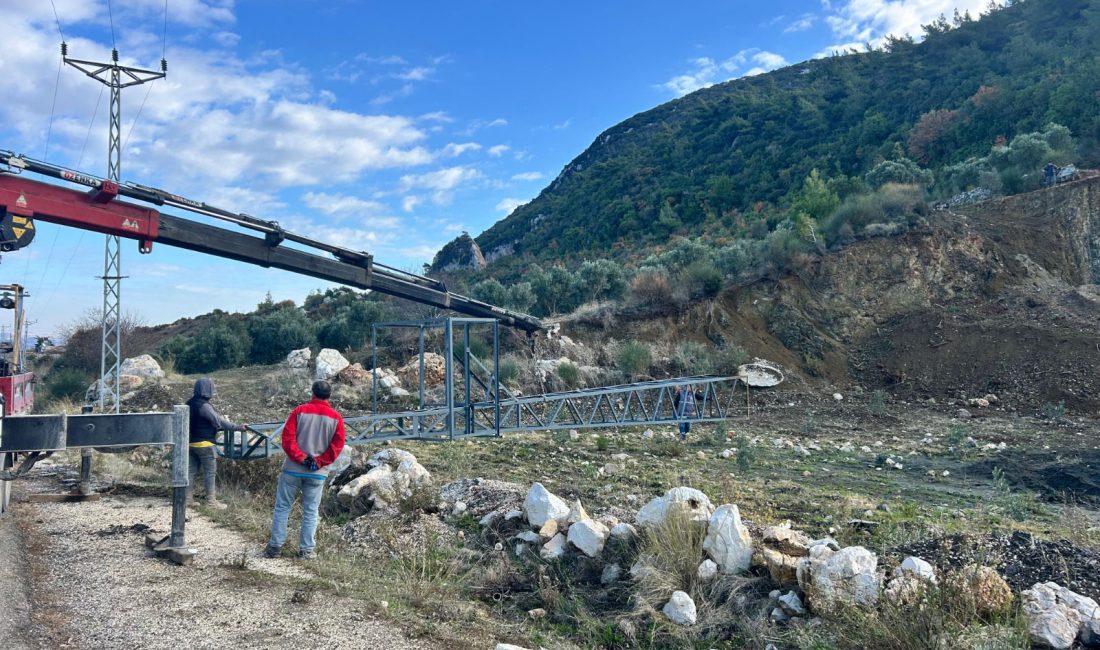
(462, 253)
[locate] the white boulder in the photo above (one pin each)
(839, 578)
(329, 364)
(690, 501)
(727, 541)
(299, 358)
(589, 536)
(680, 609)
(143, 366)
(1057, 616)
(541, 506)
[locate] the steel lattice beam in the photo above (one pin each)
(638, 404)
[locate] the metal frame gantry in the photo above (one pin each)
(482, 410)
(34, 437)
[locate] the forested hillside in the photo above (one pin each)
(959, 104)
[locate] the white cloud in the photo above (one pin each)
(437, 116)
(192, 13)
(708, 72)
(765, 61)
(870, 21)
(507, 206)
(227, 39)
(409, 203)
(441, 184)
(457, 149)
(563, 125)
(498, 150)
(478, 125)
(343, 206)
(804, 22)
(528, 176)
(419, 73)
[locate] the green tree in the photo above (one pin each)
(277, 332)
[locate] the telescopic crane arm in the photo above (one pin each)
(23, 201)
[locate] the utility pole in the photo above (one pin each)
(116, 77)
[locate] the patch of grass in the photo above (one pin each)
(667, 447)
(570, 374)
(602, 442)
(944, 617)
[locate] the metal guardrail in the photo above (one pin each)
(637, 404)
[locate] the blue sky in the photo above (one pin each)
(382, 126)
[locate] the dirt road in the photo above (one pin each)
(77, 575)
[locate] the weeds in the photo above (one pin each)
(877, 406)
(957, 434)
(1051, 411)
(602, 443)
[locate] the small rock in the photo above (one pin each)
(838, 397)
(707, 570)
(548, 530)
(553, 549)
(536, 613)
(792, 604)
(680, 609)
(542, 506)
(589, 536)
(962, 414)
(611, 573)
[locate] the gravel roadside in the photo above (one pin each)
(95, 585)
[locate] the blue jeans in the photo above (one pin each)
(285, 493)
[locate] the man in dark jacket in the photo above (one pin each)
(205, 424)
(685, 402)
(313, 437)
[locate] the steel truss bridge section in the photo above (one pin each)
(626, 405)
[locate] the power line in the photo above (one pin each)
(53, 106)
(164, 42)
(111, 15)
(136, 116)
(90, 124)
(57, 20)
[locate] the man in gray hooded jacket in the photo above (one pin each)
(205, 424)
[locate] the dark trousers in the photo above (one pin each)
(205, 458)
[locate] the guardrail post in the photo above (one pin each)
(180, 479)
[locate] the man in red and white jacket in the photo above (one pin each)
(313, 437)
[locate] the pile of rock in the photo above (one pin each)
(133, 373)
(350, 378)
(390, 476)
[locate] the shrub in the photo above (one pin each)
(600, 280)
(1051, 411)
(490, 291)
(652, 289)
(509, 370)
(219, 346)
(728, 360)
(634, 358)
(746, 455)
(691, 358)
(903, 171)
(570, 374)
(277, 333)
(704, 279)
(67, 384)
